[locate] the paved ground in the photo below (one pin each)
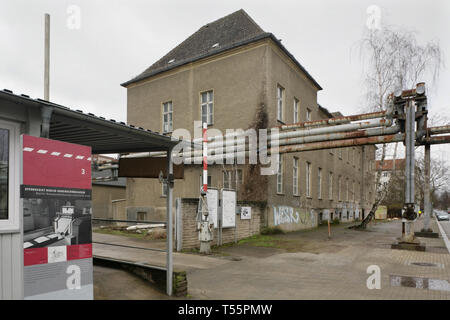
(305, 265)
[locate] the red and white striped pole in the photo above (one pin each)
(205, 159)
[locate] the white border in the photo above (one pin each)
(12, 224)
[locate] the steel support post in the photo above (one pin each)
(410, 138)
(169, 229)
(426, 200)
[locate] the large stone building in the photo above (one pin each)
(232, 74)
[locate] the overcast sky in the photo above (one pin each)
(117, 40)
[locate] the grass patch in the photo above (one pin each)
(261, 240)
(271, 230)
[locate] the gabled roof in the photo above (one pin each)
(232, 31)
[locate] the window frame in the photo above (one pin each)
(167, 112)
(308, 179)
(330, 185)
(295, 171)
(280, 172)
(319, 189)
(12, 223)
(207, 103)
(296, 110)
(280, 109)
(308, 114)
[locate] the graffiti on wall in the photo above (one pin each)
(285, 214)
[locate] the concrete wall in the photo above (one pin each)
(102, 197)
(244, 228)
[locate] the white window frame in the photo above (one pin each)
(280, 103)
(207, 104)
(330, 185)
(280, 175)
(339, 188)
(12, 224)
(227, 177)
(169, 111)
(296, 110)
(308, 114)
(295, 176)
(308, 179)
(238, 181)
(319, 189)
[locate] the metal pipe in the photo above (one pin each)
(169, 230)
(439, 130)
(339, 143)
(47, 58)
(333, 121)
(341, 135)
(438, 140)
(322, 134)
(426, 198)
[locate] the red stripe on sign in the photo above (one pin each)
(35, 256)
(79, 251)
(52, 170)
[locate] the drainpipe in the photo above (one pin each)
(46, 115)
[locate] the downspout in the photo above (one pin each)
(46, 115)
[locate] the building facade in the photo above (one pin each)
(233, 75)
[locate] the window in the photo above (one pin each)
(346, 190)
(167, 117)
(141, 216)
(207, 102)
(280, 97)
(295, 177)
(9, 176)
(339, 188)
(295, 110)
(330, 186)
(280, 174)
(319, 189)
(353, 191)
(308, 179)
(239, 178)
(227, 180)
(308, 114)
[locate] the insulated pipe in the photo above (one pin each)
(326, 133)
(313, 146)
(331, 121)
(339, 143)
(439, 130)
(341, 135)
(338, 120)
(312, 135)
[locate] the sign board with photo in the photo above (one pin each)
(246, 213)
(56, 204)
(228, 208)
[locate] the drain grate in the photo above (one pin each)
(424, 264)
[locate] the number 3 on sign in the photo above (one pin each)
(74, 280)
(83, 171)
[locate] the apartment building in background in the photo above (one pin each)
(234, 75)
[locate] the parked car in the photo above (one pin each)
(442, 215)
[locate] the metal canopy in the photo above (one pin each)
(103, 136)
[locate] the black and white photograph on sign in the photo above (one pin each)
(50, 222)
(246, 213)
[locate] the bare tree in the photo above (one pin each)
(393, 60)
(439, 178)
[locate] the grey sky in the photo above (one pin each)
(119, 39)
